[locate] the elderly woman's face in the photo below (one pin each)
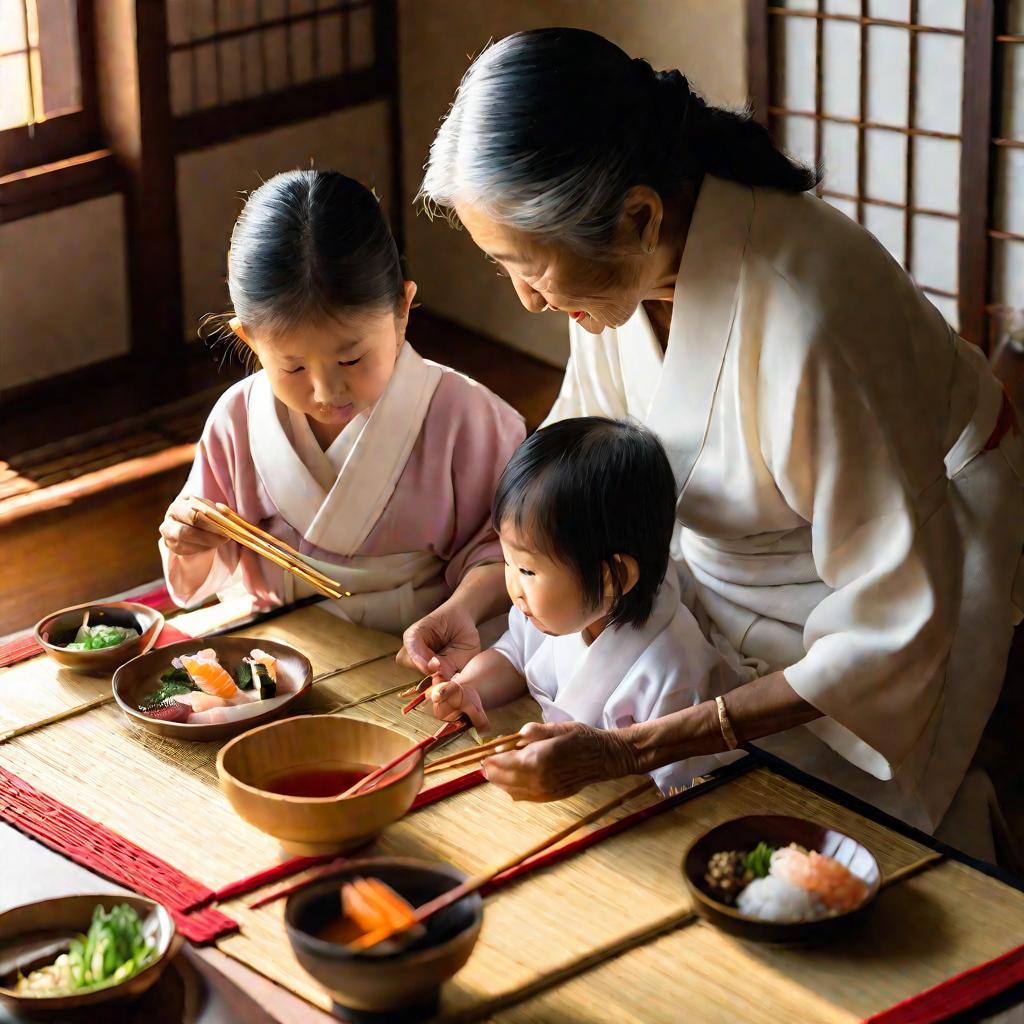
(596, 293)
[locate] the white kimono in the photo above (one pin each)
(839, 514)
(626, 675)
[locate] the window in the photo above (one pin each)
(900, 102)
(47, 85)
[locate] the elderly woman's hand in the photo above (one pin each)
(559, 760)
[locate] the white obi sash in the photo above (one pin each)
(390, 592)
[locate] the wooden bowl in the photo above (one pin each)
(60, 628)
(35, 934)
(399, 986)
(140, 677)
(777, 831)
(314, 825)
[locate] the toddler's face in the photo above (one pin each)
(547, 592)
(332, 370)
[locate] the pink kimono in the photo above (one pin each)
(397, 510)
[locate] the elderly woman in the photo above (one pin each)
(850, 510)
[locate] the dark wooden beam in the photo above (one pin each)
(758, 72)
(26, 193)
(975, 169)
(386, 47)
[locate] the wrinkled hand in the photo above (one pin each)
(184, 530)
(559, 760)
(441, 643)
(452, 699)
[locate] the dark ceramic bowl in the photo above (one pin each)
(777, 831)
(391, 986)
(141, 676)
(33, 935)
(59, 628)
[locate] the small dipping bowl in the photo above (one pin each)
(34, 935)
(777, 831)
(60, 628)
(311, 825)
(403, 986)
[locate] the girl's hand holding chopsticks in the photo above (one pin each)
(186, 532)
(452, 699)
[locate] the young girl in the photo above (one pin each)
(378, 465)
(585, 511)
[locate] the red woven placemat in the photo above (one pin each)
(961, 992)
(96, 847)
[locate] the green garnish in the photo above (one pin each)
(114, 949)
(759, 860)
(172, 682)
(243, 676)
(95, 638)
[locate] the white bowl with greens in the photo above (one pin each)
(76, 951)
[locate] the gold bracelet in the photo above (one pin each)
(726, 726)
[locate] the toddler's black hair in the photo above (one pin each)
(584, 490)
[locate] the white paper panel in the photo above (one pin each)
(794, 61)
(232, 75)
(270, 10)
(1008, 205)
(840, 47)
(842, 7)
(885, 165)
(1008, 273)
(275, 54)
(201, 18)
(942, 13)
(935, 251)
(252, 64)
(361, 38)
(329, 42)
(892, 10)
(177, 21)
(798, 138)
(800, 5)
(936, 174)
(205, 75)
(300, 39)
(839, 154)
(1013, 91)
(180, 72)
(1015, 17)
(886, 224)
(940, 63)
(947, 307)
(888, 68)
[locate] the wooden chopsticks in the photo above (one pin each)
(446, 729)
(471, 885)
(231, 525)
(461, 758)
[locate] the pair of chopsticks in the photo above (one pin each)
(471, 885)
(60, 716)
(461, 758)
(230, 524)
(445, 730)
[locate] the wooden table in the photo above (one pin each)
(556, 918)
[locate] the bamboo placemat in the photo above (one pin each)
(166, 801)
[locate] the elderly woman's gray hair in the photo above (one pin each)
(551, 128)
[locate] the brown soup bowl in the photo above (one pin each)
(308, 825)
(402, 985)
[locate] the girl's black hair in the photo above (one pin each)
(584, 490)
(307, 244)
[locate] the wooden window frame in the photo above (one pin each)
(978, 112)
(65, 135)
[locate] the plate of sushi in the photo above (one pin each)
(211, 689)
(780, 879)
(94, 639)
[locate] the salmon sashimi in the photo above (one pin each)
(199, 701)
(210, 677)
